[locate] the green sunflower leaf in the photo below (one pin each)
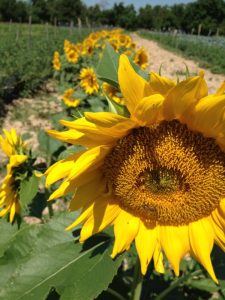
(107, 69)
(28, 190)
(43, 257)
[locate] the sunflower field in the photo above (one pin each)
(124, 196)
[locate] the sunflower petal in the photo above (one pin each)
(201, 240)
(85, 214)
(182, 98)
(104, 119)
(158, 259)
(125, 228)
(89, 161)
(149, 110)
(221, 89)
(174, 241)
(161, 85)
(208, 117)
(133, 86)
(87, 192)
(145, 242)
(103, 215)
(61, 169)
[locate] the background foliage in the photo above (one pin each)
(185, 17)
(26, 56)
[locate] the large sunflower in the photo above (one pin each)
(157, 176)
(14, 147)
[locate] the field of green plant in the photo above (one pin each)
(26, 56)
(209, 52)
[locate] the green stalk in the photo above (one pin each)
(137, 282)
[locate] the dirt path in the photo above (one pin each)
(174, 64)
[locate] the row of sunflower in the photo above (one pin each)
(76, 67)
(141, 154)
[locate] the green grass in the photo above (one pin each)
(207, 51)
(26, 56)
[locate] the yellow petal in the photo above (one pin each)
(12, 212)
(219, 234)
(201, 240)
(125, 230)
(208, 117)
(88, 192)
(149, 110)
(221, 89)
(61, 168)
(132, 85)
(182, 98)
(145, 242)
(103, 215)
(80, 124)
(221, 208)
(16, 160)
(175, 243)
(85, 214)
(104, 119)
(158, 259)
(89, 161)
(161, 85)
(71, 185)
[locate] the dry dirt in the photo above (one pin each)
(173, 64)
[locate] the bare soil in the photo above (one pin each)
(174, 65)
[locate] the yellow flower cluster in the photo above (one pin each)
(71, 51)
(83, 55)
(14, 148)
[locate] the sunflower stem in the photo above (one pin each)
(137, 282)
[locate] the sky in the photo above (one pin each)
(137, 4)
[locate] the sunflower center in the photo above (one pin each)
(166, 174)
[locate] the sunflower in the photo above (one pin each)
(157, 176)
(89, 81)
(14, 148)
(112, 92)
(68, 98)
(141, 58)
(72, 54)
(56, 61)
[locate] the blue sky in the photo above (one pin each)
(137, 3)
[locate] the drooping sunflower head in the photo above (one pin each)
(14, 148)
(141, 58)
(88, 81)
(69, 99)
(158, 176)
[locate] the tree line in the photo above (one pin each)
(207, 16)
